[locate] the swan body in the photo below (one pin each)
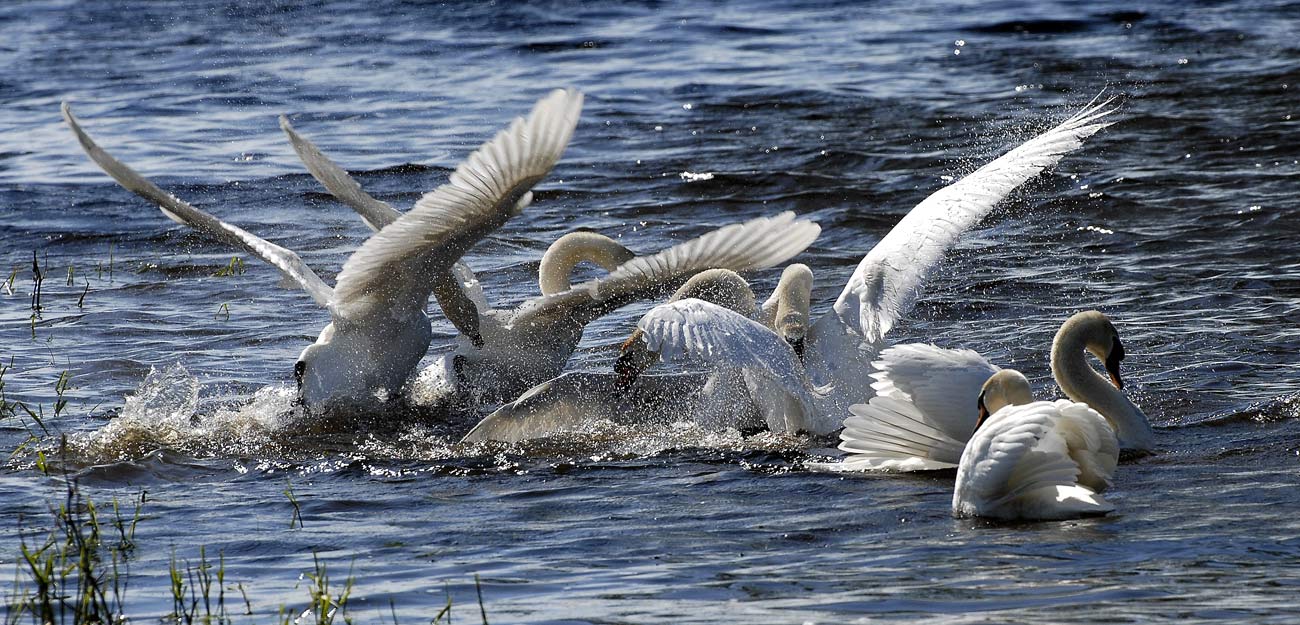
(531, 344)
(574, 401)
(500, 353)
(834, 362)
(1035, 461)
(924, 409)
(378, 331)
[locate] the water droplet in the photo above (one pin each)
(960, 42)
(1183, 61)
(687, 106)
(956, 52)
(659, 128)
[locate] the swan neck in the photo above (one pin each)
(555, 273)
(1081, 383)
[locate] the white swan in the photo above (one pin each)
(924, 411)
(502, 353)
(574, 401)
(816, 388)
(378, 331)
(1034, 460)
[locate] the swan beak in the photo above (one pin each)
(798, 345)
(629, 365)
(984, 412)
(1112, 363)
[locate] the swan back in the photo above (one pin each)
(1043, 460)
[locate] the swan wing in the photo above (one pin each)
(696, 330)
(338, 182)
(458, 296)
(490, 187)
(889, 278)
(943, 384)
(755, 244)
(890, 434)
(182, 212)
(1090, 441)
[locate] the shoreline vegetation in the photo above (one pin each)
(73, 563)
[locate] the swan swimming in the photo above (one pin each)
(378, 330)
(1044, 460)
(502, 353)
(812, 388)
(921, 416)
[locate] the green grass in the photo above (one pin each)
(72, 565)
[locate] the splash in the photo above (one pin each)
(164, 412)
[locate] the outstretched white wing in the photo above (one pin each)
(755, 244)
(182, 212)
(460, 306)
(888, 280)
(395, 265)
(699, 331)
(376, 213)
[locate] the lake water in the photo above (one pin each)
(1178, 221)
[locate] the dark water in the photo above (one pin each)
(1178, 221)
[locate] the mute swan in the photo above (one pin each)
(922, 415)
(818, 385)
(1034, 460)
(378, 331)
(502, 353)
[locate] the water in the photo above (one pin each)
(1176, 221)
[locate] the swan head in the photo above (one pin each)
(1100, 338)
(1007, 387)
(793, 297)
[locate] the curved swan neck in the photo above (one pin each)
(787, 310)
(1092, 332)
(553, 276)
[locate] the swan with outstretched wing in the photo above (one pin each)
(379, 331)
(502, 352)
(836, 352)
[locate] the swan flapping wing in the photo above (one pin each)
(943, 384)
(888, 280)
(182, 212)
(491, 186)
(338, 182)
(925, 408)
(699, 331)
(755, 244)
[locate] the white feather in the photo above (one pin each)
(1021, 463)
(180, 211)
(483, 192)
(886, 283)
